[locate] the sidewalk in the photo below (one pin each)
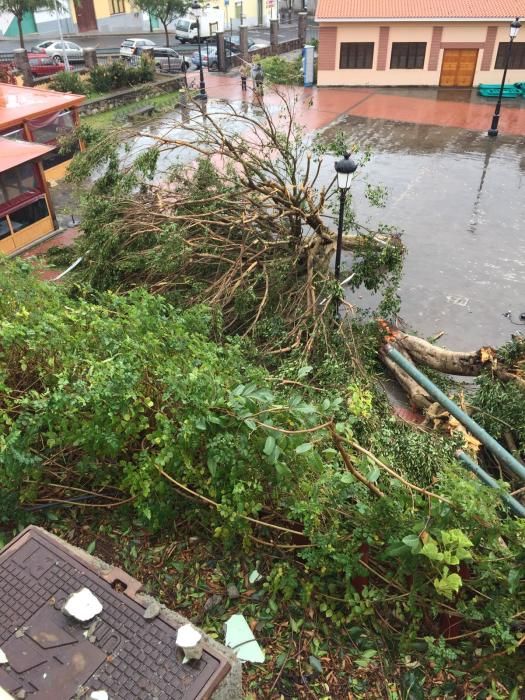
(322, 106)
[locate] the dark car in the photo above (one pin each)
(232, 46)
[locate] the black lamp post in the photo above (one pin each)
(513, 33)
(345, 169)
(196, 8)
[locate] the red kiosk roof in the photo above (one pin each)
(20, 103)
(14, 153)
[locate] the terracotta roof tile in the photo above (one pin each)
(418, 9)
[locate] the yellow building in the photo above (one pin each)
(106, 16)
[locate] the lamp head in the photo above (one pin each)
(196, 8)
(345, 169)
(514, 28)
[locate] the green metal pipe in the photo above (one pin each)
(490, 443)
(482, 475)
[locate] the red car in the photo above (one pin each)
(42, 64)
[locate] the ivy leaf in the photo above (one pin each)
(430, 550)
(303, 371)
(315, 664)
(212, 465)
(514, 579)
(413, 542)
(347, 478)
(448, 584)
(269, 445)
(374, 474)
(305, 447)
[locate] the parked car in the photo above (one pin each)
(166, 60)
(42, 64)
(232, 45)
(57, 49)
(129, 46)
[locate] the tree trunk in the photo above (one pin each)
(466, 364)
(164, 24)
(20, 32)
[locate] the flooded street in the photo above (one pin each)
(458, 197)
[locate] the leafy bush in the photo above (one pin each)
(118, 74)
(69, 81)
(278, 70)
(128, 393)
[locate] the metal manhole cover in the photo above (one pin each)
(53, 657)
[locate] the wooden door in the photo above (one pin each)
(86, 17)
(458, 67)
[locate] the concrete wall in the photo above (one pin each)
(438, 36)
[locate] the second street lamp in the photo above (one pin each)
(196, 8)
(345, 169)
(513, 33)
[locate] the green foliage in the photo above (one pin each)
(280, 71)
(69, 81)
(100, 391)
(498, 405)
(118, 74)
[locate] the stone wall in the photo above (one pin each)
(134, 94)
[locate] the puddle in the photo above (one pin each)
(458, 197)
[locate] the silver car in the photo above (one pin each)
(168, 60)
(57, 49)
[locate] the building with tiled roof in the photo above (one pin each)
(447, 43)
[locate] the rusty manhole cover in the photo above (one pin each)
(53, 657)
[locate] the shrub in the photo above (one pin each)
(66, 81)
(278, 70)
(118, 75)
(128, 393)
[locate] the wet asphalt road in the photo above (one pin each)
(458, 196)
(110, 40)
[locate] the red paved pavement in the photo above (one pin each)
(328, 104)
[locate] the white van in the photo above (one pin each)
(211, 22)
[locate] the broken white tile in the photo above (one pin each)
(99, 695)
(3, 658)
(239, 637)
(254, 576)
(82, 605)
(190, 641)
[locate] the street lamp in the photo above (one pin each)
(513, 33)
(345, 169)
(202, 87)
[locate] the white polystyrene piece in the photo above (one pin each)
(190, 641)
(83, 605)
(99, 695)
(3, 658)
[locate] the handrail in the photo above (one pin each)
(482, 475)
(479, 433)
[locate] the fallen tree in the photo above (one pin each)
(232, 209)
